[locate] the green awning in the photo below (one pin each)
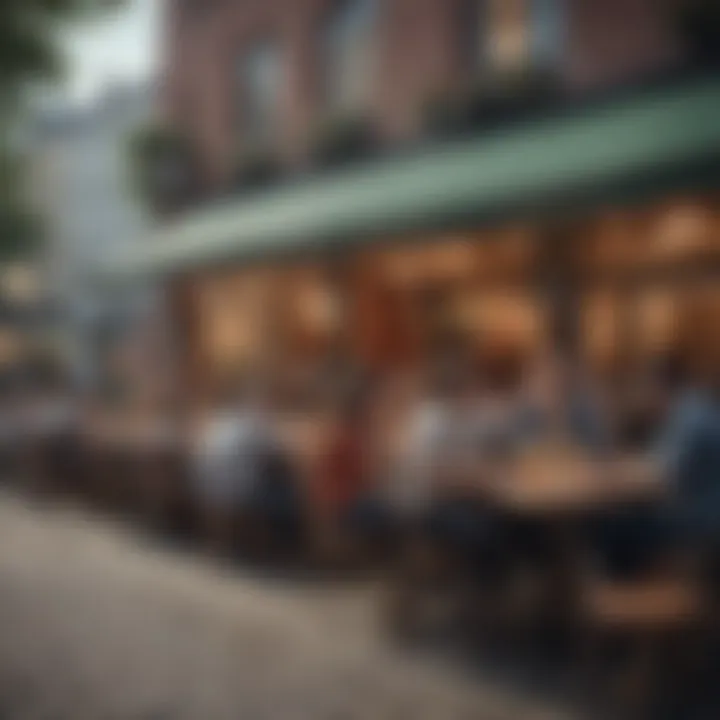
(656, 140)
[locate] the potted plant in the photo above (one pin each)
(255, 169)
(493, 99)
(163, 166)
(343, 139)
(499, 97)
(446, 113)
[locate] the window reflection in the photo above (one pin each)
(260, 80)
(349, 54)
(504, 35)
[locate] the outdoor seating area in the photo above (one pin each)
(525, 468)
(531, 578)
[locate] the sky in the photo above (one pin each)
(121, 46)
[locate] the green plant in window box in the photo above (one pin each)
(446, 113)
(163, 167)
(493, 99)
(341, 140)
(507, 95)
(255, 169)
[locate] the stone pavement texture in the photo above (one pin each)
(99, 623)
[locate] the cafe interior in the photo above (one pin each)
(620, 277)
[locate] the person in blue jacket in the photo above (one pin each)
(687, 454)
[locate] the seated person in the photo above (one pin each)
(215, 480)
(560, 404)
(346, 497)
(688, 456)
(644, 401)
(557, 411)
(268, 498)
(428, 492)
(272, 510)
(235, 469)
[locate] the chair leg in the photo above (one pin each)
(637, 689)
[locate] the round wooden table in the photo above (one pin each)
(570, 484)
(545, 500)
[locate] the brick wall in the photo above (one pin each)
(417, 49)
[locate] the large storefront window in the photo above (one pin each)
(234, 314)
(473, 287)
(641, 270)
(628, 283)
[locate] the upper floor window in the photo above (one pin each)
(547, 41)
(348, 54)
(509, 34)
(260, 84)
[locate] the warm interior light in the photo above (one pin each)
(504, 318)
(682, 228)
(657, 316)
(600, 325)
(447, 259)
(509, 38)
(321, 309)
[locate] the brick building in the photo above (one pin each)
(591, 206)
(242, 72)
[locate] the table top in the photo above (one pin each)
(123, 433)
(572, 484)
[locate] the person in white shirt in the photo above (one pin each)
(216, 473)
(234, 448)
(442, 450)
(228, 449)
(443, 527)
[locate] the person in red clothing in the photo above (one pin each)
(346, 508)
(341, 472)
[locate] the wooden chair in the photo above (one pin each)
(419, 590)
(655, 619)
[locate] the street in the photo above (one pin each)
(98, 621)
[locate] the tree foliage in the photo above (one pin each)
(30, 40)
(30, 52)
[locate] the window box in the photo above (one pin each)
(164, 168)
(257, 169)
(343, 140)
(495, 99)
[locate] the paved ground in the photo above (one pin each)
(98, 623)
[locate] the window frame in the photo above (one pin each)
(256, 125)
(339, 40)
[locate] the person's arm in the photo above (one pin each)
(676, 441)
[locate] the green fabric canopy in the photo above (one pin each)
(655, 140)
